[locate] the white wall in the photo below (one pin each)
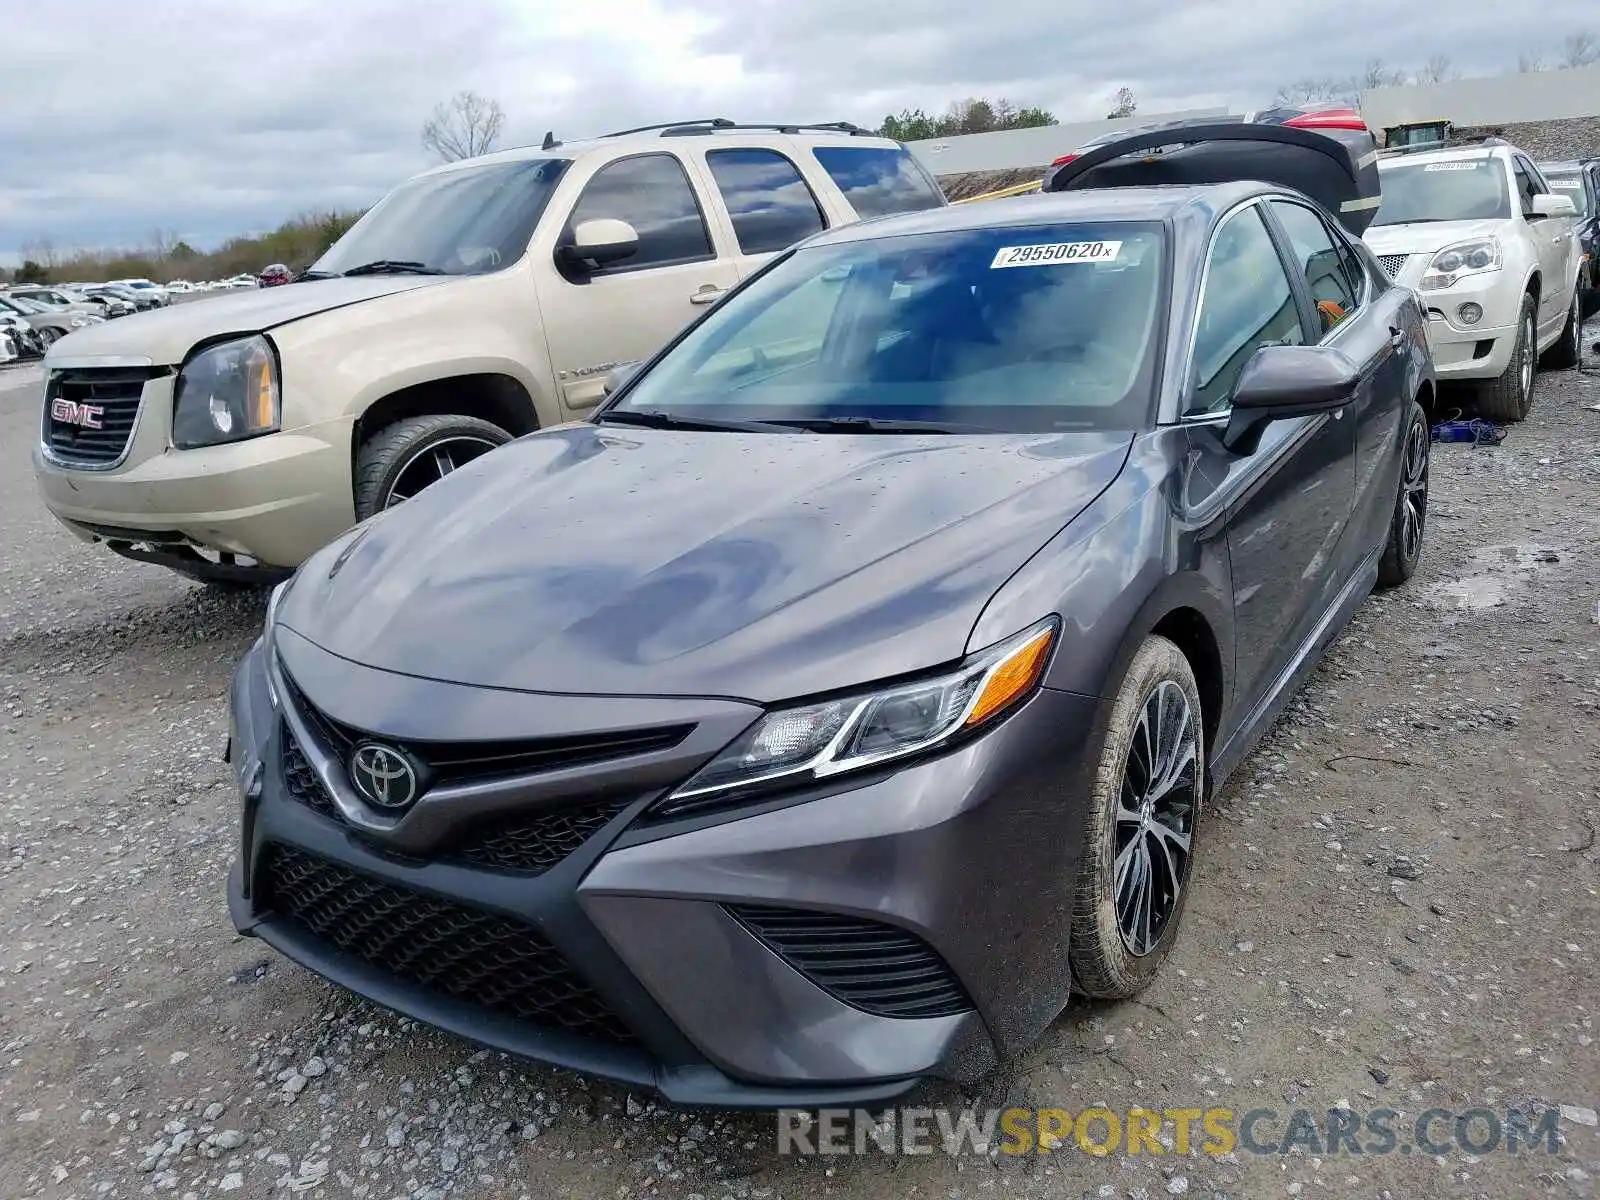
(1496, 100)
(1011, 149)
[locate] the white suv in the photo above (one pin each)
(232, 437)
(1494, 254)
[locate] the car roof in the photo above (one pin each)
(1451, 154)
(637, 141)
(1050, 208)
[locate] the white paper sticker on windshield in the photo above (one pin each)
(1453, 166)
(1567, 185)
(1054, 254)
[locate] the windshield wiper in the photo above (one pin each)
(875, 425)
(655, 418)
(308, 273)
(393, 266)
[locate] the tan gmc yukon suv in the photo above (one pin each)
(231, 437)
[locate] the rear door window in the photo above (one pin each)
(769, 201)
(879, 180)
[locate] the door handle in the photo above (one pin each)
(708, 293)
(1397, 336)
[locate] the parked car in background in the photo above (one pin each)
(28, 343)
(51, 324)
(56, 299)
(275, 275)
(106, 303)
(141, 301)
(146, 287)
(479, 301)
(914, 602)
(1494, 253)
(1580, 180)
(8, 347)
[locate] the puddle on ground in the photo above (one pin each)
(1498, 573)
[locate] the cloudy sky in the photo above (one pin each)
(208, 118)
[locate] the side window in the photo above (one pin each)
(879, 180)
(1525, 188)
(769, 200)
(1317, 255)
(1247, 304)
(651, 193)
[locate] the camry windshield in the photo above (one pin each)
(1451, 190)
(468, 221)
(1018, 329)
(1571, 186)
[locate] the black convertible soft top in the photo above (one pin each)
(1338, 168)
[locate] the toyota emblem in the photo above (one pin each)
(383, 775)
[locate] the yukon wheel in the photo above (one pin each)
(402, 459)
(1143, 815)
(1406, 526)
(1508, 398)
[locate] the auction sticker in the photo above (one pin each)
(1455, 166)
(1055, 253)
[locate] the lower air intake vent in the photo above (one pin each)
(463, 952)
(880, 969)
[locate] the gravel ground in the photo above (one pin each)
(1397, 907)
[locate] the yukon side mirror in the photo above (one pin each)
(620, 374)
(1547, 205)
(1281, 382)
(602, 241)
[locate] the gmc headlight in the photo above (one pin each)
(1464, 258)
(802, 743)
(226, 393)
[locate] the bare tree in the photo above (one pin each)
(1530, 62)
(464, 126)
(1437, 70)
(1580, 49)
(1123, 104)
(1314, 90)
(1376, 75)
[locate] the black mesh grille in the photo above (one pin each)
(877, 968)
(530, 844)
(469, 762)
(500, 964)
(111, 397)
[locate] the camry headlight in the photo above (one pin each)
(275, 599)
(798, 744)
(1464, 258)
(226, 393)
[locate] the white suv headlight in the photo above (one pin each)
(1476, 257)
(226, 393)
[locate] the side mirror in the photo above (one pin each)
(1547, 205)
(620, 375)
(1281, 382)
(603, 240)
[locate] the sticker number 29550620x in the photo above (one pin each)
(1056, 253)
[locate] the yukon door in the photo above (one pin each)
(599, 317)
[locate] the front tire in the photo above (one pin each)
(1568, 349)
(400, 460)
(1508, 398)
(1404, 548)
(1143, 814)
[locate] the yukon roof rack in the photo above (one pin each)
(695, 129)
(714, 122)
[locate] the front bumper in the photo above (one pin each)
(1481, 350)
(970, 855)
(276, 498)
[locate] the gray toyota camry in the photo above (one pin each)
(849, 691)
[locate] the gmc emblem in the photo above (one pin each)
(71, 412)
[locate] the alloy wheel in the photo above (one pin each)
(432, 463)
(1414, 491)
(1156, 816)
(1530, 351)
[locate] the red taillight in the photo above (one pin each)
(1064, 160)
(1330, 118)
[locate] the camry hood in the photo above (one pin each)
(166, 335)
(1426, 237)
(604, 560)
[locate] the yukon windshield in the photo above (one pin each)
(1447, 190)
(468, 221)
(1020, 329)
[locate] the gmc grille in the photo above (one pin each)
(113, 395)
